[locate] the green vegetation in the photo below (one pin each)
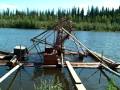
(49, 85)
(95, 19)
(112, 86)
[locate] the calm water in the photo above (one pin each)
(29, 77)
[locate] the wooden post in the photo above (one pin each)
(14, 59)
(62, 63)
(10, 72)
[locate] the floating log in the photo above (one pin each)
(107, 60)
(110, 70)
(85, 64)
(73, 53)
(75, 77)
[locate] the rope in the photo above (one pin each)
(78, 45)
(91, 76)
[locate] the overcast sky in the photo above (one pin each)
(50, 4)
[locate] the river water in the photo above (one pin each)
(30, 78)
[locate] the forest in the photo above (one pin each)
(95, 19)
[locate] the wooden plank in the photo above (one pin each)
(85, 65)
(75, 77)
(79, 87)
(10, 72)
(72, 72)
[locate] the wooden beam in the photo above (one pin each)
(103, 58)
(110, 70)
(75, 77)
(76, 40)
(10, 72)
(85, 64)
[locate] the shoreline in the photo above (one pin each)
(53, 29)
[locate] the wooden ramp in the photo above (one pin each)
(77, 81)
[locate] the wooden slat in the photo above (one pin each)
(80, 87)
(75, 77)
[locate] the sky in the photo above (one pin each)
(50, 4)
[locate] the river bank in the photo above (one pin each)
(81, 26)
(95, 19)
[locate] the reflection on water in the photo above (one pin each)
(29, 78)
(49, 74)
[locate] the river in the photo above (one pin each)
(28, 78)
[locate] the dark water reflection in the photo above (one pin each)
(31, 77)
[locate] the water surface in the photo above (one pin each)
(30, 77)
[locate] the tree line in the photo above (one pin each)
(104, 19)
